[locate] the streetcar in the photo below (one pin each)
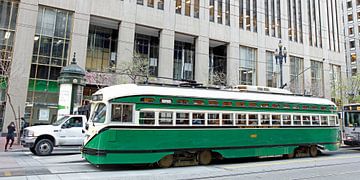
(173, 125)
(351, 124)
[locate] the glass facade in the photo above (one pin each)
(8, 15)
(317, 78)
(296, 75)
(272, 72)
(184, 60)
(247, 68)
(217, 65)
(50, 54)
(148, 47)
(101, 49)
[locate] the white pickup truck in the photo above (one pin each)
(67, 131)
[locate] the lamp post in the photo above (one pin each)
(280, 56)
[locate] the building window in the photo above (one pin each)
(150, 3)
(161, 4)
(317, 79)
(217, 65)
(273, 25)
(351, 30)
(349, 4)
(350, 17)
(296, 75)
(102, 49)
(227, 12)
(248, 24)
(196, 8)
(278, 23)
(178, 6)
(219, 14)
(140, 2)
(271, 70)
(254, 16)
(147, 48)
(352, 43)
(295, 21)
(187, 7)
(184, 60)
(300, 22)
(320, 30)
(267, 27)
(247, 69)
(315, 24)
(290, 31)
(357, 2)
(212, 10)
(50, 54)
(310, 24)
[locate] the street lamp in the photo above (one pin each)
(280, 56)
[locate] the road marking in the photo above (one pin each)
(7, 173)
(236, 166)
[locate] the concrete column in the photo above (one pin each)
(125, 42)
(166, 53)
(21, 62)
(233, 62)
(202, 59)
(79, 37)
(261, 67)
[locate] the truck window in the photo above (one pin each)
(73, 122)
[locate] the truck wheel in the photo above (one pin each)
(44, 147)
(32, 149)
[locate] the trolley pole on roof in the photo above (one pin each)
(280, 56)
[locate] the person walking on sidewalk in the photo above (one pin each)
(10, 135)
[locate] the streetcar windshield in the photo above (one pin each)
(352, 119)
(99, 114)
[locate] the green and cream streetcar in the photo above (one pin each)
(136, 124)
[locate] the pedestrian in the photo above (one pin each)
(10, 135)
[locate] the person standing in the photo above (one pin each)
(10, 135)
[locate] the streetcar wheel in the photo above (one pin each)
(166, 161)
(289, 156)
(313, 151)
(205, 157)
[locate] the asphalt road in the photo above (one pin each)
(68, 164)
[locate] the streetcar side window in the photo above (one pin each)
(198, 119)
(315, 120)
(240, 119)
(253, 119)
(147, 118)
(265, 119)
(121, 113)
(182, 118)
(324, 121)
(297, 120)
(332, 120)
(276, 119)
(227, 119)
(165, 118)
(287, 120)
(306, 120)
(213, 119)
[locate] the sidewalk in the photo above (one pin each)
(15, 146)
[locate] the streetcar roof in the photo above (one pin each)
(124, 90)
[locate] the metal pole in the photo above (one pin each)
(281, 73)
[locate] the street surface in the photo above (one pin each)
(20, 164)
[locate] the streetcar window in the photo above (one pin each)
(147, 118)
(332, 120)
(265, 119)
(324, 121)
(286, 106)
(297, 120)
(287, 120)
(264, 105)
(306, 120)
(296, 107)
(182, 101)
(253, 119)
(323, 107)
(165, 118)
(213, 102)
(276, 119)
(227, 119)
(252, 104)
(147, 100)
(240, 104)
(275, 105)
(121, 113)
(198, 119)
(98, 115)
(198, 102)
(182, 118)
(240, 119)
(314, 107)
(305, 107)
(213, 119)
(315, 120)
(227, 103)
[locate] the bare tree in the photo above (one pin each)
(137, 70)
(5, 70)
(218, 78)
(347, 90)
